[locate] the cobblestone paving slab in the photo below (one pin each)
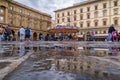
(13, 64)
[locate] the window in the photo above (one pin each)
(104, 13)
(58, 15)
(75, 11)
(11, 21)
(96, 23)
(81, 17)
(81, 25)
(81, 10)
(11, 8)
(11, 15)
(35, 25)
(104, 22)
(115, 3)
(81, 33)
(96, 32)
(20, 10)
(88, 9)
(75, 24)
(104, 32)
(68, 19)
(63, 19)
(96, 7)
(58, 21)
(115, 11)
(1, 11)
(74, 18)
(68, 13)
(1, 18)
(62, 14)
(116, 21)
(96, 14)
(28, 13)
(88, 24)
(88, 16)
(104, 5)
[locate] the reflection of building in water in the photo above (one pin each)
(88, 65)
(90, 52)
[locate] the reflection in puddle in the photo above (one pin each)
(66, 63)
(7, 51)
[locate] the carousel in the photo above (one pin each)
(63, 29)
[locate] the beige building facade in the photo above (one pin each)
(89, 15)
(16, 15)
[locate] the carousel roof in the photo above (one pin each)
(64, 29)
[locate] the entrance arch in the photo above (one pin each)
(34, 36)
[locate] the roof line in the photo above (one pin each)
(27, 7)
(78, 4)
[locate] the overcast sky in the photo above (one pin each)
(48, 6)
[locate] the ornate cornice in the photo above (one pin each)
(79, 4)
(24, 6)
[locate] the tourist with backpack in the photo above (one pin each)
(27, 34)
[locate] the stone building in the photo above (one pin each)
(91, 14)
(16, 14)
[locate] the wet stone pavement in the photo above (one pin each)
(68, 63)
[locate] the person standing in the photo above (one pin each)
(60, 36)
(8, 32)
(110, 30)
(47, 37)
(30, 34)
(27, 34)
(41, 37)
(92, 35)
(22, 33)
(1, 32)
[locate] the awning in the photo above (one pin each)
(101, 35)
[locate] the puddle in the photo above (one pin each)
(66, 63)
(4, 64)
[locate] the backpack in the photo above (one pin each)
(27, 31)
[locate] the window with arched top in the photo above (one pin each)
(2, 13)
(96, 14)
(116, 20)
(104, 32)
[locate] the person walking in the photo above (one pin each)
(22, 33)
(110, 30)
(27, 34)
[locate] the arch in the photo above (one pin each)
(35, 36)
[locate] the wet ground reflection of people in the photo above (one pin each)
(22, 50)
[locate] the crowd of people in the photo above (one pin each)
(25, 34)
(113, 34)
(6, 33)
(59, 37)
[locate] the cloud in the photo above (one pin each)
(48, 6)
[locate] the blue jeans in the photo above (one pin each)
(7, 36)
(109, 37)
(91, 37)
(0, 37)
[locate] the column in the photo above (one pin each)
(6, 15)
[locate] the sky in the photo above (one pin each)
(48, 6)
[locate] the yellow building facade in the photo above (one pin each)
(89, 15)
(16, 15)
